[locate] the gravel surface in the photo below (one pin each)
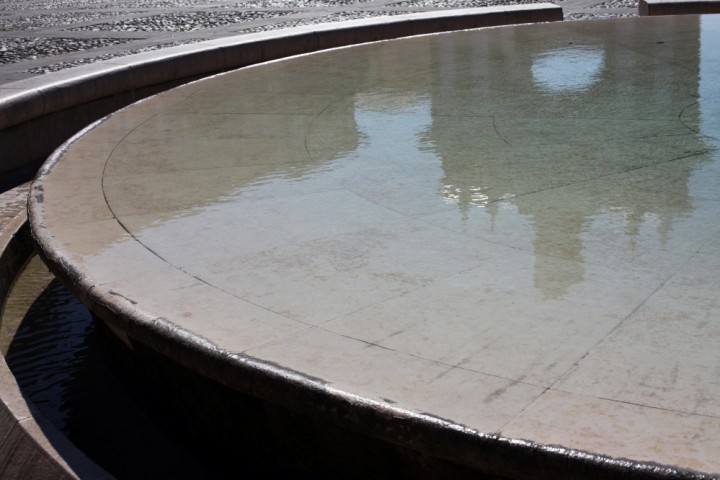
(180, 22)
(598, 16)
(298, 3)
(50, 5)
(617, 4)
(29, 48)
(95, 4)
(461, 3)
(36, 22)
(107, 56)
(333, 17)
(145, 4)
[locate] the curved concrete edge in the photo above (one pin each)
(52, 107)
(677, 7)
(275, 385)
(30, 446)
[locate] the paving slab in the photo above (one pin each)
(513, 230)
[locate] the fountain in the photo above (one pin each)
(438, 255)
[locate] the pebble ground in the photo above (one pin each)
(40, 36)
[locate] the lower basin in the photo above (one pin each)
(509, 232)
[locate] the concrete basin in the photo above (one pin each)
(494, 249)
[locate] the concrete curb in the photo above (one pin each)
(677, 7)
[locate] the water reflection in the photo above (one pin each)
(470, 132)
(589, 173)
(571, 69)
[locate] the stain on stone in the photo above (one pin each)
(111, 292)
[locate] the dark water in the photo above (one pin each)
(57, 360)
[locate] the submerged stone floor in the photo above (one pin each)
(514, 229)
(38, 36)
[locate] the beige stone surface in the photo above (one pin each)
(620, 429)
(513, 229)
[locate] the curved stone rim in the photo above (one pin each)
(442, 438)
(451, 441)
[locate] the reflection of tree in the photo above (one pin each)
(490, 95)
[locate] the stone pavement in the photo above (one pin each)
(39, 36)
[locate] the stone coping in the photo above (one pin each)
(24, 103)
(677, 7)
(502, 457)
(311, 397)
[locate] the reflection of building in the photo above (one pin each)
(482, 131)
(216, 147)
(524, 137)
